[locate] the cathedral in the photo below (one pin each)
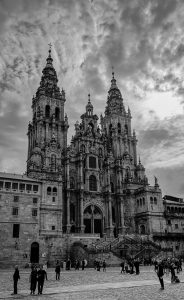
(94, 189)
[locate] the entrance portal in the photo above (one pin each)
(34, 253)
(93, 219)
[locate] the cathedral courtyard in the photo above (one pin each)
(90, 284)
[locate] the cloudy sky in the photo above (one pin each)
(142, 39)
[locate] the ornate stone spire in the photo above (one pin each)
(48, 84)
(89, 107)
(114, 99)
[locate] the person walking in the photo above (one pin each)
(41, 278)
(16, 277)
(160, 273)
(122, 266)
(104, 265)
(172, 269)
(58, 270)
(33, 280)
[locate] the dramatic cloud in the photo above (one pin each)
(144, 42)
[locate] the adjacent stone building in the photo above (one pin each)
(94, 188)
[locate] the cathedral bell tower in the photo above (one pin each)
(47, 133)
(116, 124)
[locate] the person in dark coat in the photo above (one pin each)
(41, 278)
(58, 270)
(33, 280)
(122, 267)
(160, 273)
(172, 269)
(16, 277)
(136, 264)
(83, 264)
(104, 265)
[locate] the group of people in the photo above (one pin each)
(166, 266)
(37, 276)
(130, 266)
(99, 263)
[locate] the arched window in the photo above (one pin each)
(53, 162)
(92, 183)
(140, 201)
(49, 190)
(119, 128)
(172, 209)
(176, 209)
(179, 210)
(168, 208)
(54, 191)
(72, 183)
(155, 200)
(112, 187)
(47, 111)
(57, 111)
(151, 200)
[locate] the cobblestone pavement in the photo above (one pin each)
(90, 284)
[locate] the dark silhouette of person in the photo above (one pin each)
(41, 278)
(58, 270)
(33, 280)
(136, 264)
(83, 264)
(160, 273)
(16, 277)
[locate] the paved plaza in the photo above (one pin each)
(90, 284)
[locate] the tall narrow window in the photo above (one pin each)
(57, 113)
(112, 187)
(92, 162)
(119, 128)
(54, 191)
(92, 183)
(110, 129)
(72, 183)
(47, 111)
(53, 162)
(16, 229)
(49, 191)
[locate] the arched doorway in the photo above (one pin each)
(93, 219)
(34, 258)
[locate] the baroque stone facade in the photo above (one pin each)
(94, 187)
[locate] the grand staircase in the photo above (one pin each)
(128, 246)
